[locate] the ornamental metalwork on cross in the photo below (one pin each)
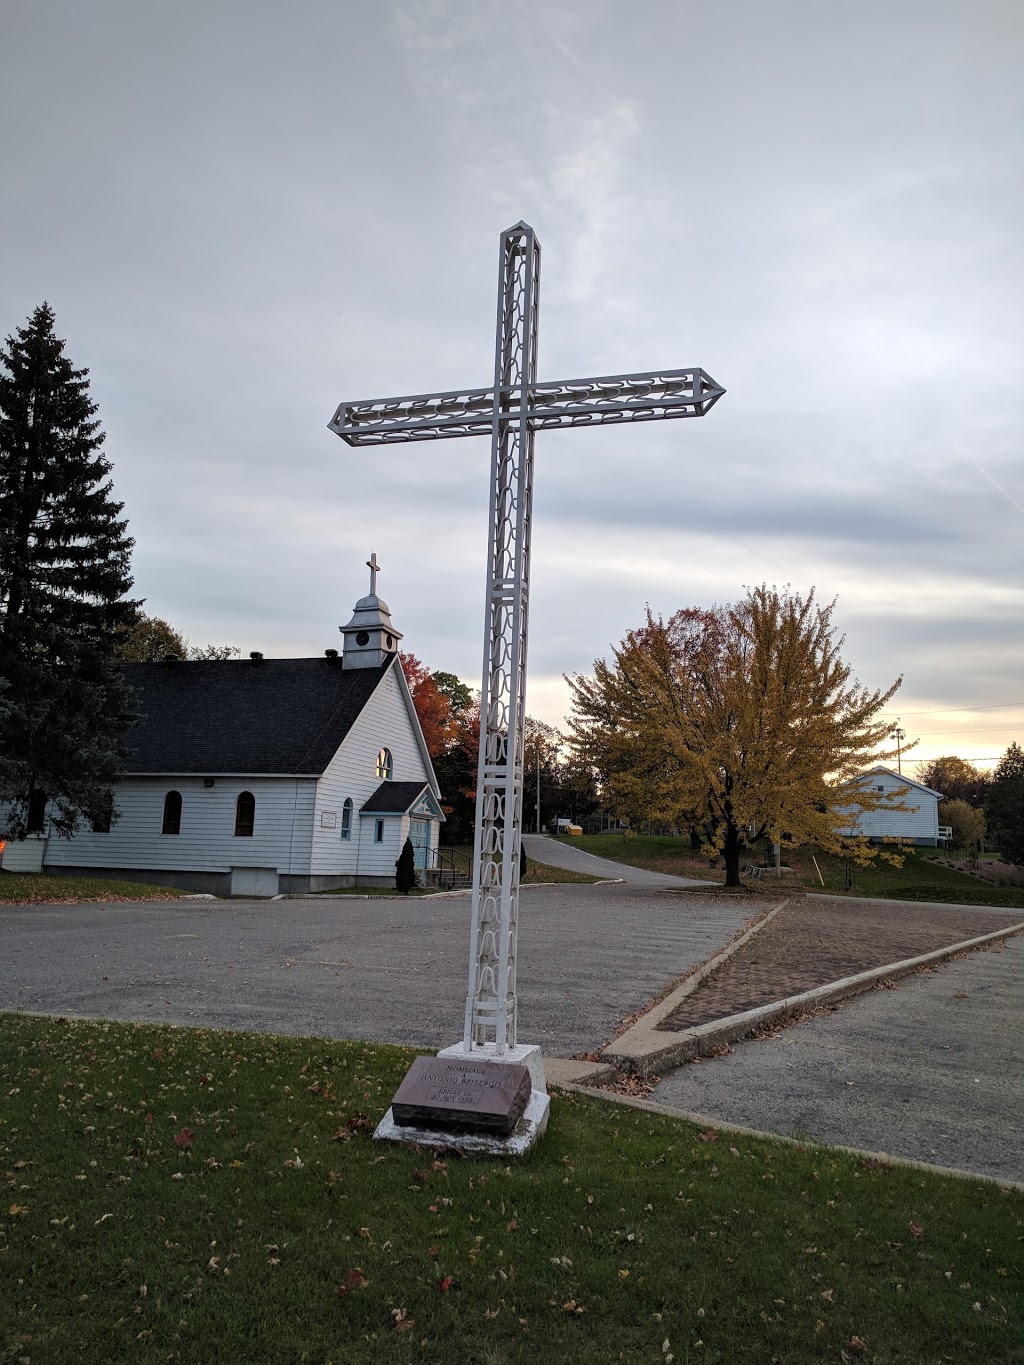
(511, 411)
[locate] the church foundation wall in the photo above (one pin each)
(333, 881)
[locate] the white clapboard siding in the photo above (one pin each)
(921, 822)
(378, 860)
(385, 722)
(207, 842)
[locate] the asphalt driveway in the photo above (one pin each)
(930, 1070)
(389, 970)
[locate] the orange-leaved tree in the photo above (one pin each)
(433, 708)
(737, 721)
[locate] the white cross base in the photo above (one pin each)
(526, 1132)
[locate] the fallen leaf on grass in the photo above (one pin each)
(637, 1087)
(185, 1138)
(434, 1252)
(446, 1284)
(828, 1295)
(709, 1135)
(17, 1209)
(571, 1306)
(916, 1231)
(403, 1322)
(352, 1280)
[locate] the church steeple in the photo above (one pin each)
(370, 638)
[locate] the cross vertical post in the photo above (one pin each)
(491, 1010)
(374, 568)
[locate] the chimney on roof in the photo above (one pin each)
(256, 658)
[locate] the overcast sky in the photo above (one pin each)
(244, 212)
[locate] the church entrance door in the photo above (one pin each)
(419, 833)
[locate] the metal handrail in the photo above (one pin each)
(449, 866)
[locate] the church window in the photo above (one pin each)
(172, 814)
(245, 815)
(378, 831)
(385, 767)
(363, 638)
(346, 818)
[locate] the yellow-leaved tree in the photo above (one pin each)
(738, 722)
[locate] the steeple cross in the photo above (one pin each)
(374, 568)
(510, 412)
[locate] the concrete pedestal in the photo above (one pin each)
(520, 1140)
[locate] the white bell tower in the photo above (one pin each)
(370, 638)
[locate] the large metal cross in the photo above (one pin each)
(512, 410)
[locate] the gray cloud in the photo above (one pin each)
(243, 216)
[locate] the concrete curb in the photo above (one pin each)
(647, 1051)
(645, 1036)
(707, 1121)
(568, 1071)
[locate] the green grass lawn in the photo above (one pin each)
(920, 877)
(35, 888)
(536, 872)
(187, 1195)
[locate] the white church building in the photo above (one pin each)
(260, 776)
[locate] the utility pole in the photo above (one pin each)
(537, 741)
(901, 735)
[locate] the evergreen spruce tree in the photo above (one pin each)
(64, 572)
(1004, 806)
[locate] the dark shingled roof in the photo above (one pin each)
(233, 716)
(393, 798)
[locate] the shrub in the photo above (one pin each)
(405, 869)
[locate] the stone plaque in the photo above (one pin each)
(469, 1096)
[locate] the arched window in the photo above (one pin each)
(172, 814)
(346, 818)
(245, 815)
(385, 766)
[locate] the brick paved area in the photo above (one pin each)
(812, 942)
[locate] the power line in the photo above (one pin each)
(996, 730)
(950, 710)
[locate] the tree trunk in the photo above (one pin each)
(732, 855)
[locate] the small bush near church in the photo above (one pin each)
(405, 869)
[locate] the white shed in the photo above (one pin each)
(919, 824)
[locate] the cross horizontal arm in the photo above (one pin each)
(600, 401)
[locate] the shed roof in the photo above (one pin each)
(903, 780)
(285, 716)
